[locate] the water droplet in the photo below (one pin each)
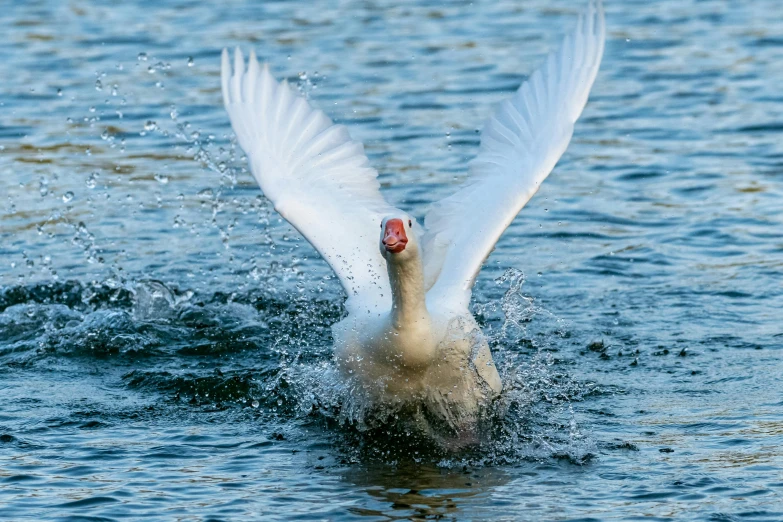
(161, 178)
(150, 126)
(142, 57)
(92, 180)
(59, 92)
(98, 85)
(255, 404)
(68, 197)
(190, 61)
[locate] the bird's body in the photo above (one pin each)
(409, 337)
(418, 351)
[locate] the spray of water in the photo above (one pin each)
(534, 418)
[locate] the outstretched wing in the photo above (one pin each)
(316, 176)
(520, 145)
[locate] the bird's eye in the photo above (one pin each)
(410, 223)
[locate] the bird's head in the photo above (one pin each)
(397, 238)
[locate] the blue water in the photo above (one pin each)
(164, 340)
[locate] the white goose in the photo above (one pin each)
(409, 335)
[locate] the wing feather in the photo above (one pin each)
(316, 176)
(520, 145)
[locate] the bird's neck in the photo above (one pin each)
(410, 342)
(408, 295)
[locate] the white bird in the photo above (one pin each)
(409, 336)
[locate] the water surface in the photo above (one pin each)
(164, 340)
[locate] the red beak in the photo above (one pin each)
(394, 237)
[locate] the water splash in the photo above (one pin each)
(273, 355)
(534, 417)
(153, 300)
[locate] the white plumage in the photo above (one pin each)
(520, 145)
(316, 176)
(409, 334)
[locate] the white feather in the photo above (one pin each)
(318, 179)
(520, 145)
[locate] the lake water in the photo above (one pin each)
(164, 341)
